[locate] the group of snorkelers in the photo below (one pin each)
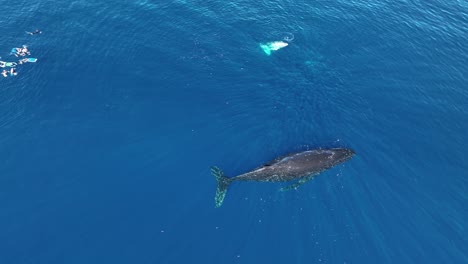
(18, 52)
(12, 71)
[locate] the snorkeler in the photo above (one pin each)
(25, 51)
(37, 31)
(13, 72)
(17, 51)
(4, 73)
(4, 64)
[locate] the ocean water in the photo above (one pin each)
(106, 141)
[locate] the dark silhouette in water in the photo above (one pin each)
(37, 31)
(302, 166)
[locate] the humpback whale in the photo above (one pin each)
(272, 46)
(299, 167)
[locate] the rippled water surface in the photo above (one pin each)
(106, 141)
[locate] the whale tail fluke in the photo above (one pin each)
(223, 183)
(266, 49)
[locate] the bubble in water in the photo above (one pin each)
(288, 37)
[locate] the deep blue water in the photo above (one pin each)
(106, 141)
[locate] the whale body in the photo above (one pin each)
(301, 166)
(275, 45)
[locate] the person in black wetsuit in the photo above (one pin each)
(37, 31)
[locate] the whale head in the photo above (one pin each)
(341, 155)
(276, 45)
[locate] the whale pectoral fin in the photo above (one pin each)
(298, 183)
(290, 187)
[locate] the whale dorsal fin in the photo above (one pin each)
(276, 160)
(271, 162)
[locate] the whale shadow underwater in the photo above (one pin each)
(299, 167)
